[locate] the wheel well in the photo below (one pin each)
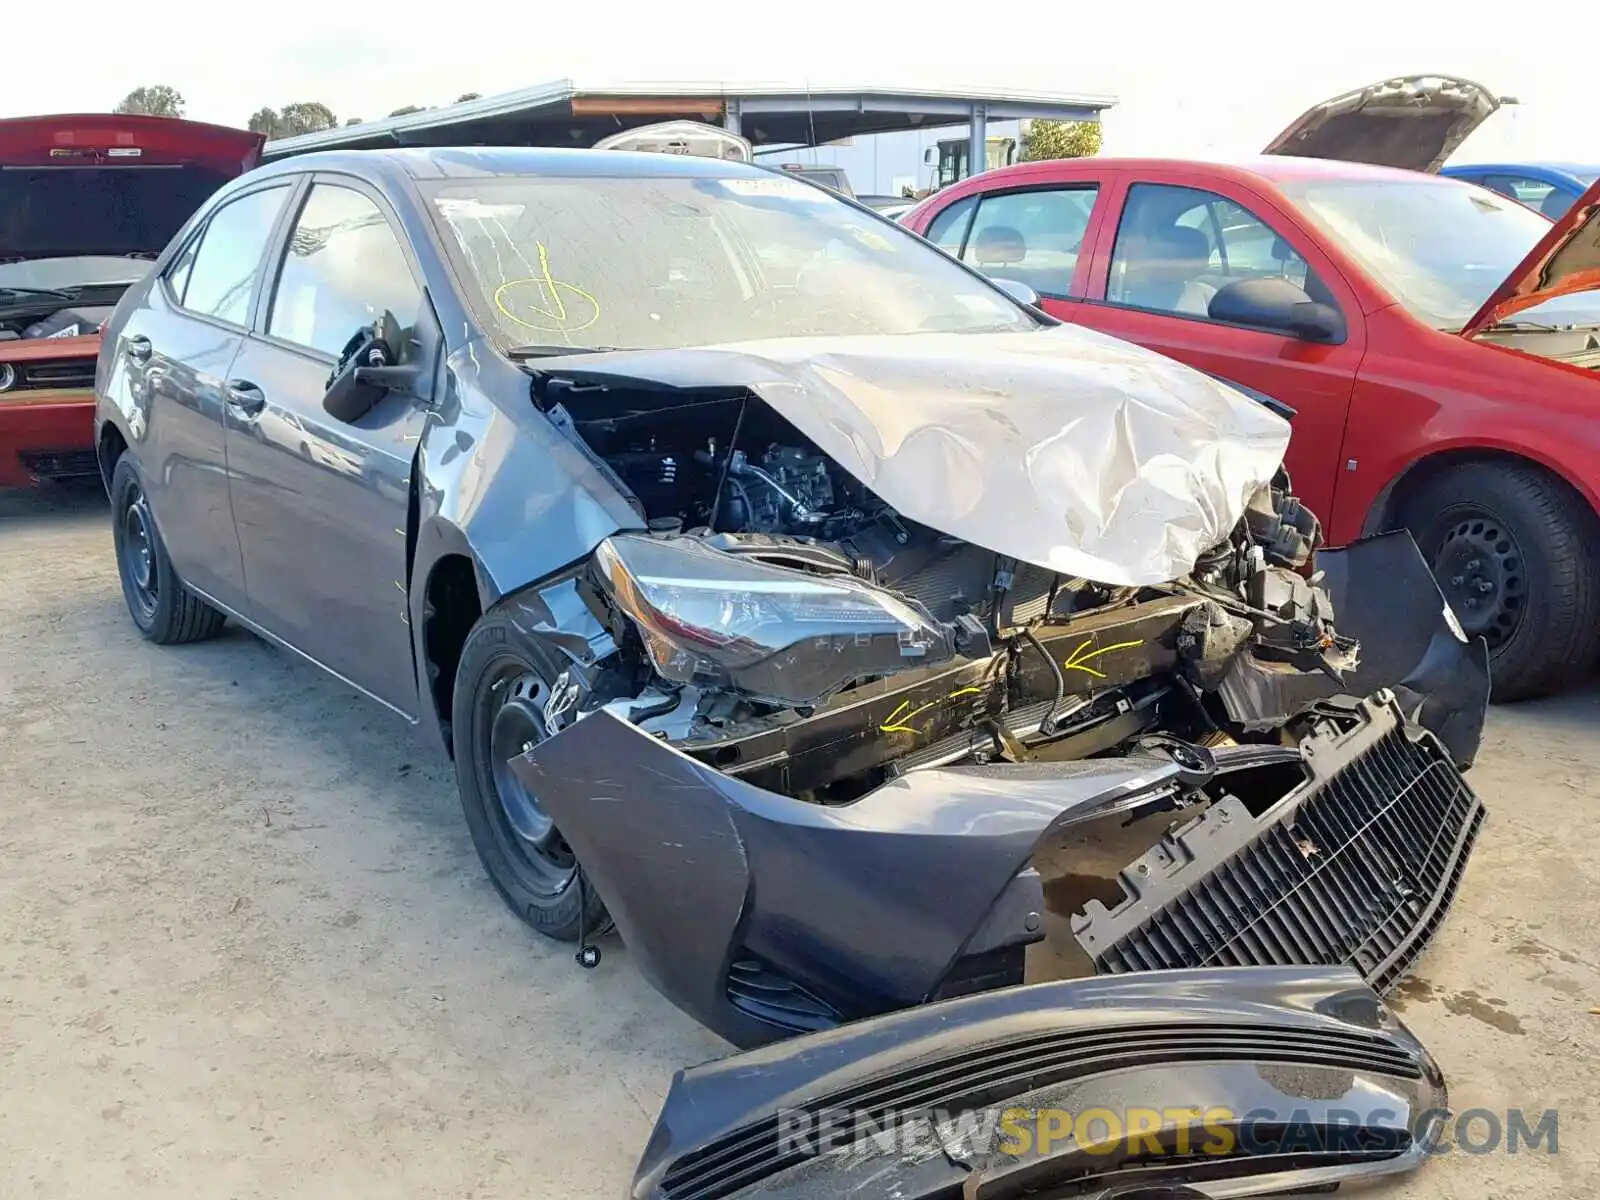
(1386, 509)
(450, 609)
(110, 447)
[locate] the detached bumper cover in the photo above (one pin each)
(763, 916)
(1232, 1082)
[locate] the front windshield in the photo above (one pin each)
(53, 274)
(1440, 246)
(654, 262)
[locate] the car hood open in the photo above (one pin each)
(1061, 447)
(1566, 261)
(1415, 122)
(109, 184)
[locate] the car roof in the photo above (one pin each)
(1556, 168)
(474, 162)
(1274, 168)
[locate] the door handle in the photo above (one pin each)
(138, 349)
(245, 397)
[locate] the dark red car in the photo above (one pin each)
(86, 204)
(1439, 343)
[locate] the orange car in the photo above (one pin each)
(86, 204)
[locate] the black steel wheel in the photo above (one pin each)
(163, 610)
(1517, 554)
(502, 686)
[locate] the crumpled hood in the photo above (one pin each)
(1062, 447)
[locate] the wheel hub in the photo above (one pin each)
(139, 551)
(1480, 569)
(518, 726)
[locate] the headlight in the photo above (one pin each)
(718, 620)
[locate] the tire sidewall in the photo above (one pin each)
(124, 478)
(491, 641)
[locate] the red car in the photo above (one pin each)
(1438, 343)
(86, 204)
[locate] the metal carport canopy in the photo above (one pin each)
(566, 114)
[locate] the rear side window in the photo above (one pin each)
(222, 278)
(344, 268)
(1538, 195)
(1033, 237)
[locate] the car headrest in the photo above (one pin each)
(998, 245)
(1180, 243)
(1555, 204)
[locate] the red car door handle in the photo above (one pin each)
(245, 397)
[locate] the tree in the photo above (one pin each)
(263, 120)
(159, 100)
(305, 116)
(407, 110)
(465, 96)
(1061, 139)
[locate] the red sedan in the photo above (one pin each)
(1434, 339)
(86, 204)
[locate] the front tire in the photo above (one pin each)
(497, 713)
(163, 610)
(1517, 554)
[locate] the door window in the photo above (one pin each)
(948, 230)
(342, 270)
(1176, 247)
(221, 279)
(1538, 195)
(1033, 237)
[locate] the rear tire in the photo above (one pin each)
(1517, 554)
(163, 609)
(500, 688)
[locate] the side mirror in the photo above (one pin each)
(1017, 290)
(350, 397)
(929, 157)
(1278, 305)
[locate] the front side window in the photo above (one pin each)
(1033, 237)
(1177, 247)
(948, 230)
(227, 265)
(650, 262)
(342, 270)
(1439, 246)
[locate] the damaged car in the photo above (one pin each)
(782, 586)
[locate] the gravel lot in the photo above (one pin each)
(246, 949)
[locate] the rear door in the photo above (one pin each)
(1169, 242)
(320, 504)
(175, 350)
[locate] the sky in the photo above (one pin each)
(1190, 79)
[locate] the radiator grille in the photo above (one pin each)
(1360, 870)
(986, 1075)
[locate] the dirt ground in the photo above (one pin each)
(246, 949)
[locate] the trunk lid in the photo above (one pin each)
(109, 184)
(1565, 262)
(1414, 122)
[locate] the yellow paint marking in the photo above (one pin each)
(562, 321)
(1079, 661)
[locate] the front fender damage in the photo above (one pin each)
(1201, 1083)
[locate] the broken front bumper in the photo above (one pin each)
(763, 916)
(1230, 1082)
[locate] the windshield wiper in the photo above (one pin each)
(8, 293)
(554, 351)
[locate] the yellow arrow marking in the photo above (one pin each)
(1079, 661)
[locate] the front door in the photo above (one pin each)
(176, 350)
(320, 504)
(1170, 251)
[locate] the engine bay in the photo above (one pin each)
(29, 325)
(1008, 661)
